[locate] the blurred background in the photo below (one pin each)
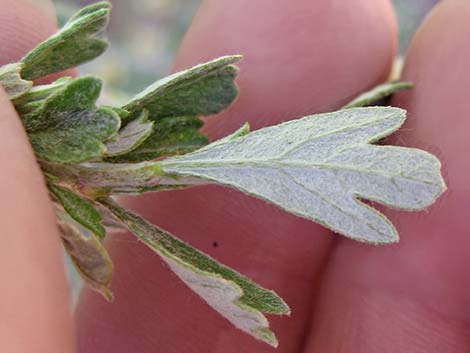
(130, 65)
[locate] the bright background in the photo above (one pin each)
(130, 64)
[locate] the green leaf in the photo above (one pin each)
(80, 209)
(12, 82)
(170, 136)
(202, 90)
(130, 137)
(76, 43)
(35, 97)
(89, 257)
(377, 93)
(68, 127)
(319, 166)
(242, 131)
(234, 296)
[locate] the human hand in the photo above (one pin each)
(34, 298)
(346, 297)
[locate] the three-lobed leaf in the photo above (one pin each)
(317, 167)
(68, 127)
(74, 44)
(234, 296)
(320, 166)
(205, 89)
(174, 104)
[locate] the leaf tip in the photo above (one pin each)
(232, 58)
(267, 336)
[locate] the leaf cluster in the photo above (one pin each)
(317, 167)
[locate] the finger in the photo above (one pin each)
(34, 301)
(415, 296)
(299, 58)
(23, 25)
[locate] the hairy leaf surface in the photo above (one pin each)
(68, 127)
(89, 257)
(130, 136)
(234, 296)
(320, 166)
(377, 93)
(202, 90)
(12, 82)
(169, 136)
(102, 179)
(81, 210)
(76, 43)
(28, 102)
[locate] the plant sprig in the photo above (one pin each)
(317, 167)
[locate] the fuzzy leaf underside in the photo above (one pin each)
(130, 137)
(205, 89)
(74, 44)
(234, 296)
(318, 167)
(103, 179)
(377, 93)
(169, 136)
(89, 257)
(68, 127)
(11, 81)
(81, 210)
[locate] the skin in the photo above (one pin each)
(345, 297)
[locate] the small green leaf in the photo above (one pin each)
(89, 257)
(130, 137)
(377, 93)
(80, 209)
(234, 296)
(319, 166)
(76, 43)
(12, 82)
(242, 131)
(170, 136)
(202, 90)
(68, 127)
(35, 97)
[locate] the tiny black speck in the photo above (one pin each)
(215, 244)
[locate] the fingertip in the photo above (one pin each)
(35, 297)
(437, 64)
(298, 59)
(23, 26)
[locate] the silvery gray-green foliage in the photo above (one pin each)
(89, 257)
(12, 82)
(319, 166)
(236, 297)
(377, 93)
(68, 127)
(316, 167)
(76, 43)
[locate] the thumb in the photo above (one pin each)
(34, 300)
